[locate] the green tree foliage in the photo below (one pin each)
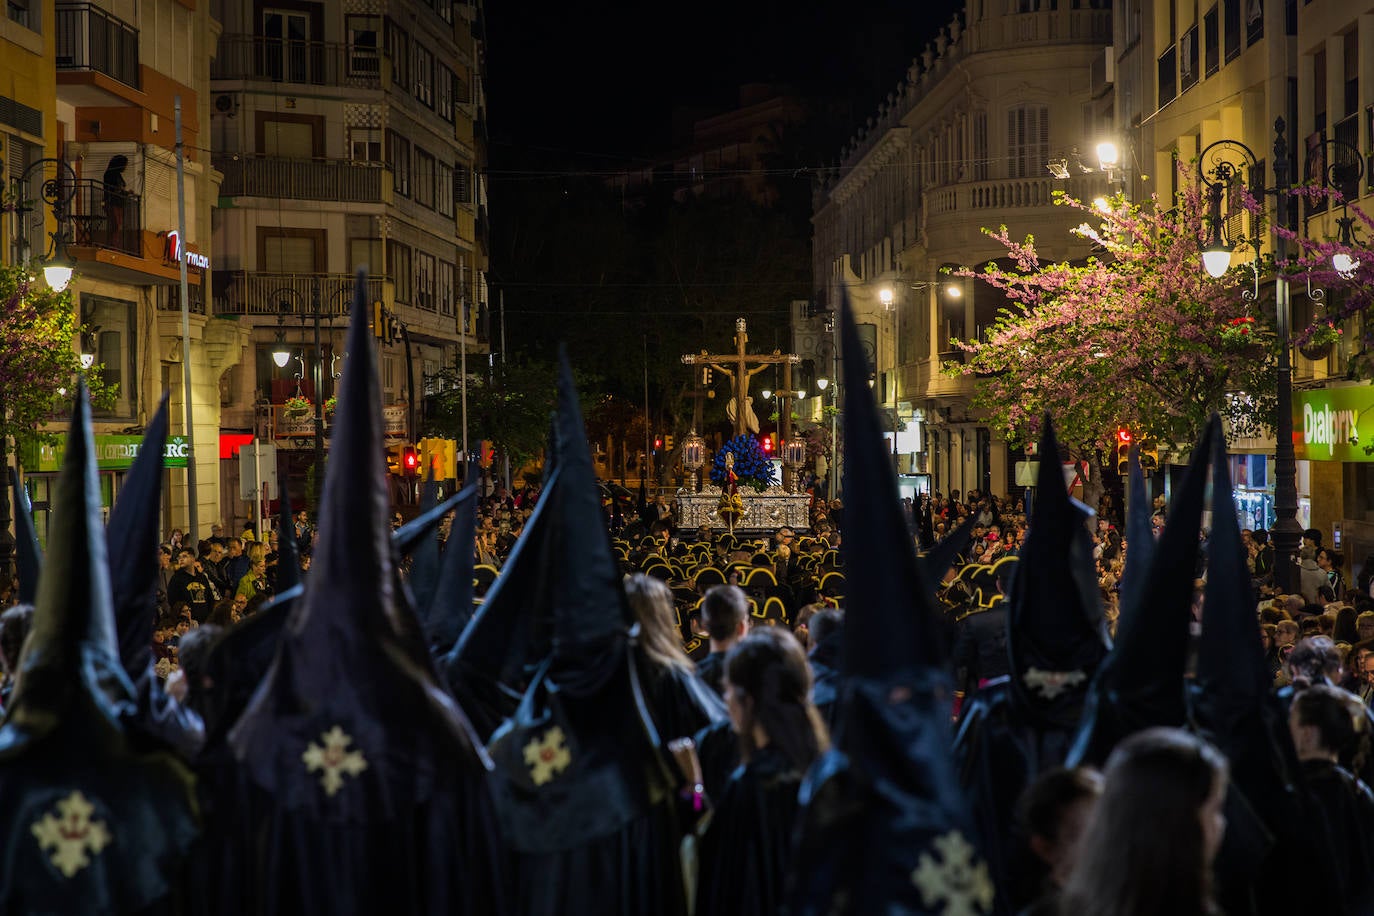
(38, 360)
(510, 406)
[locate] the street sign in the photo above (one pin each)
(257, 466)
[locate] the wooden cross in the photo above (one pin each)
(737, 367)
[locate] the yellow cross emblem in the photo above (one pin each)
(958, 879)
(69, 836)
(332, 760)
(547, 756)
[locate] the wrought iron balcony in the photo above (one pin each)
(313, 63)
(305, 179)
(88, 38)
(242, 292)
(105, 218)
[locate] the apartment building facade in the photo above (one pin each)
(350, 135)
(1202, 72)
(961, 145)
(95, 88)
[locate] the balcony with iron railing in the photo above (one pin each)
(305, 179)
(242, 292)
(90, 39)
(311, 63)
(102, 217)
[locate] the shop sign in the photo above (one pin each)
(1334, 424)
(174, 252)
(112, 453)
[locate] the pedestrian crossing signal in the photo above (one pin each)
(410, 461)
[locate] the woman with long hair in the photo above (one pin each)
(1149, 845)
(682, 704)
(746, 848)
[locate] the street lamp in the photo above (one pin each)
(1108, 156)
(1343, 173)
(56, 192)
(1220, 165)
(57, 269)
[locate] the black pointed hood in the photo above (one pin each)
(28, 556)
(944, 554)
(132, 536)
(424, 558)
(891, 625)
(288, 548)
(1141, 682)
(590, 607)
(341, 669)
(1056, 637)
(886, 795)
(1232, 675)
(451, 606)
(1140, 535)
(71, 658)
(584, 711)
(64, 748)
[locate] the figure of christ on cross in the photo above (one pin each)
(737, 366)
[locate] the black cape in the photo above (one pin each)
(747, 848)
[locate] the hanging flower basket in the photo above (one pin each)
(297, 408)
(329, 406)
(1319, 340)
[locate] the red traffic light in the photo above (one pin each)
(410, 461)
(768, 443)
(1123, 435)
(658, 443)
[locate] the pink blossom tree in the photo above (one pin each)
(1342, 267)
(1137, 336)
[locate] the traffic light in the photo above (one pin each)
(393, 458)
(668, 443)
(379, 320)
(1123, 451)
(1149, 455)
(410, 461)
(768, 443)
(658, 444)
(487, 453)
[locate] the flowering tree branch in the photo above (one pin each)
(1138, 335)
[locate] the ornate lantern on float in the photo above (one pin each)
(693, 452)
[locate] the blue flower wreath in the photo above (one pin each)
(752, 466)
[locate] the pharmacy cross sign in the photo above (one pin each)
(737, 366)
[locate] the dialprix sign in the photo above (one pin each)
(1334, 424)
(112, 453)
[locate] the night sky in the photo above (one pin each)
(579, 84)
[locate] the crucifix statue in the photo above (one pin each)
(740, 367)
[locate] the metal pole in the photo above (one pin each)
(834, 470)
(896, 373)
(318, 378)
(463, 371)
(1287, 533)
(505, 454)
(644, 471)
(192, 492)
(257, 485)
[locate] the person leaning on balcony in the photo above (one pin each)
(116, 196)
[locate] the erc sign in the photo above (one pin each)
(1334, 424)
